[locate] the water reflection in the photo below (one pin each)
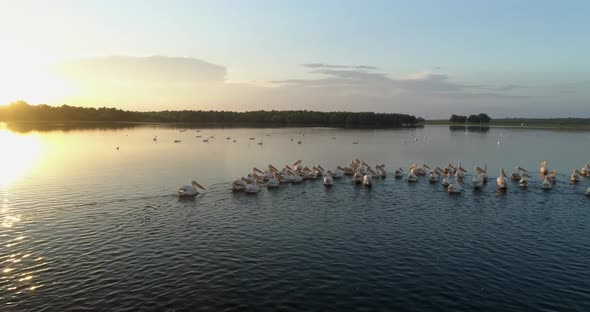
(19, 154)
(470, 128)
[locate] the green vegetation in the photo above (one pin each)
(21, 111)
(472, 119)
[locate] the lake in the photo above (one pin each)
(87, 226)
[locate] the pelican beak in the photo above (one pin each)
(195, 184)
(297, 163)
(426, 166)
(502, 173)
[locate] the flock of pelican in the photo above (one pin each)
(451, 177)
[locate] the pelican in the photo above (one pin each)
(457, 187)
(367, 180)
(460, 170)
(336, 174)
(358, 176)
(319, 170)
(381, 170)
(587, 192)
(524, 182)
(543, 170)
(518, 173)
(399, 173)
(346, 170)
(275, 181)
(412, 176)
(586, 170)
(547, 183)
(552, 175)
(446, 181)
(294, 178)
(434, 175)
(253, 187)
(328, 180)
(421, 171)
(575, 178)
(238, 185)
(190, 190)
(266, 175)
(477, 180)
(297, 166)
(483, 172)
(501, 180)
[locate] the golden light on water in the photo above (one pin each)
(18, 154)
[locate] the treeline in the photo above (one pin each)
(22, 111)
(472, 119)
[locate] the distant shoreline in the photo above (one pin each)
(523, 123)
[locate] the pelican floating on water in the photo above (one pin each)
(412, 176)
(543, 170)
(576, 176)
(456, 187)
(381, 170)
(547, 183)
(477, 180)
(501, 180)
(399, 173)
(367, 180)
(238, 185)
(586, 170)
(328, 180)
(190, 190)
(446, 181)
(518, 173)
(524, 182)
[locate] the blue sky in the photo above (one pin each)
(527, 55)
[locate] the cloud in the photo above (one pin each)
(152, 69)
(321, 65)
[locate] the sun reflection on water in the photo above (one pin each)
(18, 154)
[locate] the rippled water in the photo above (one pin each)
(85, 226)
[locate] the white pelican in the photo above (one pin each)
(501, 180)
(446, 181)
(319, 170)
(367, 180)
(586, 170)
(293, 178)
(459, 170)
(346, 170)
(337, 174)
(434, 175)
(477, 180)
(297, 166)
(275, 181)
(483, 172)
(358, 176)
(266, 175)
(552, 175)
(457, 186)
(575, 178)
(328, 180)
(399, 173)
(190, 190)
(516, 175)
(412, 176)
(238, 185)
(524, 182)
(547, 183)
(381, 170)
(543, 170)
(253, 187)
(421, 171)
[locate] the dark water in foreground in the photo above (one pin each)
(85, 230)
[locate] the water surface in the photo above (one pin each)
(87, 226)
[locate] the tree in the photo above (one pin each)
(473, 119)
(458, 119)
(484, 118)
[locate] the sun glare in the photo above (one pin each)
(18, 154)
(31, 80)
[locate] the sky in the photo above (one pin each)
(426, 58)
